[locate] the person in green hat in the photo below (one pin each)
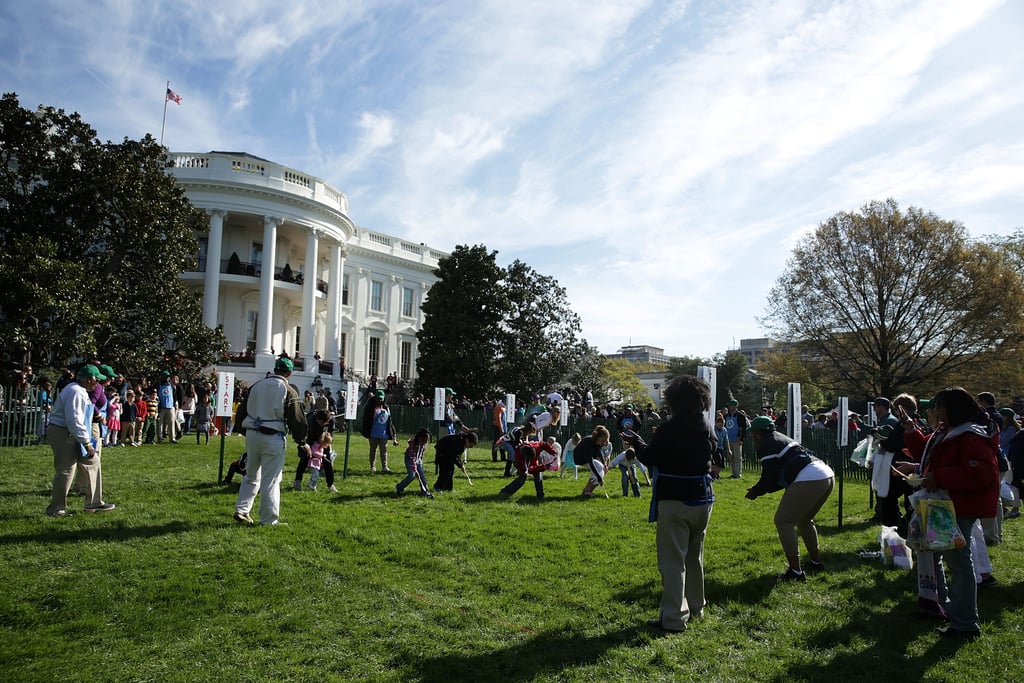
(807, 483)
(74, 444)
(736, 424)
(378, 428)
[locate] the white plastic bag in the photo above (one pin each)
(895, 552)
(861, 451)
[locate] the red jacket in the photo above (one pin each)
(535, 463)
(963, 462)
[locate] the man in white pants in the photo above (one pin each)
(270, 411)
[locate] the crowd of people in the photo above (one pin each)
(956, 442)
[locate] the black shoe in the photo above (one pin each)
(989, 581)
(656, 623)
(791, 575)
(950, 632)
(813, 567)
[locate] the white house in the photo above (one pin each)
(284, 268)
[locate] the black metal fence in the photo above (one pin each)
(23, 416)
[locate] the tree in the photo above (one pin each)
(539, 337)
(586, 375)
(731, 379)
(460, 337)
(890, 300)
(621, 382)
(93, 238)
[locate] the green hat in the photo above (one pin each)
(284, 365)
(89, 370)
(164, 373)
(449, 390)
(733, 402)
(629, 406)
(380, 394)
(924, 404)
(1008, 412)
(108, 371)
(762, 423)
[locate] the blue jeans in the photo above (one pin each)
(414, 470)
(963, 587)
(629, 477)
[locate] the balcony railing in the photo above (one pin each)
(255, 269)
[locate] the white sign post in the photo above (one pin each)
(710, 375)
(795, 423)
(351, 412)
(225, 401)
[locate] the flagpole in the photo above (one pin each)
(164, 123)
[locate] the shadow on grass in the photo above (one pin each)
(542, 655)
(119, 531)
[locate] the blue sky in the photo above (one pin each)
(659, 158)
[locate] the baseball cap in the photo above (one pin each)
(882, 401)
(732, 402)
(284, 365)
(763, 423)
(89, 370)
(380, 393)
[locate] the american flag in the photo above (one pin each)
(173, 96)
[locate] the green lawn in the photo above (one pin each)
(365, 586)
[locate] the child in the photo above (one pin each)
(317, 451)
(555, 463)
(202, 418)
(414, 464)
(626, 462)
(237, 467)
(113, 419)
(530, 461)
(567, 459)
(724, 452)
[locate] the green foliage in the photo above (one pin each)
(489, 329)
(93, 238)
(732, 379)
(460, 337)
(587, 374)
(365, 586)
(621, 382)
(540, 331)
(885, 300)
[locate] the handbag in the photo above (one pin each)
(933, 525)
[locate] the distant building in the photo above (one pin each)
(641, 354)
(755, 349)
(654, 382)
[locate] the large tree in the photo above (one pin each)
(93, 238)
(540, 341)
(731, 380)
(890, 300)
(459, 340)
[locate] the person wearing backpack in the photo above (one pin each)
(807, 483)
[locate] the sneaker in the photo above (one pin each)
(311, 486)
(790, 575)
(813, 567)
(1013, 513)
(59, 513)
(387, 471)
(656, 623)
(373, 469)
(243, 518)
(102, 507)
(332, 488)
(950, 632)
(297, 485)
(988, 581)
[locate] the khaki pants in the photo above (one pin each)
(68, 464)
(680, 543)
(796, 511)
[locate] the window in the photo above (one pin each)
(204, 247)
(405, 365)
(344, 346)
(407, 295)
(344, 290)
(256, 255)
(373, 362)
(298, 337)
(376, 295)
(251, 320)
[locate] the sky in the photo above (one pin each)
(659, 159)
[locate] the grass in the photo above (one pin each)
(466, 587)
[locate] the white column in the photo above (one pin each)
(359, 285)
(266, 321)
(211, 282)
(309, 301)
(332, 336)
(394, 309)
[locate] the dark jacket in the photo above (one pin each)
(682, 450)
(781, 458)
(585, 451)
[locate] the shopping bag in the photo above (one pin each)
(880, 472)
(933, 525)
(895, 552)
(861, 450)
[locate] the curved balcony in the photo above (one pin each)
(237, 167)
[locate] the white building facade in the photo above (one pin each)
(285, 269)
